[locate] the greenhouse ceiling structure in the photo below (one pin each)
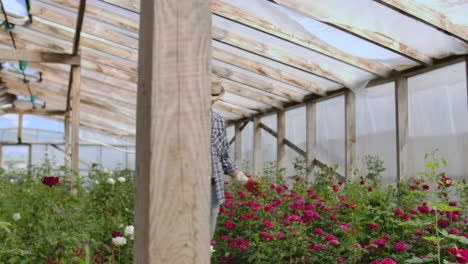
(77, 62)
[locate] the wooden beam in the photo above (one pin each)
(105, 65)
(257, 162)
(311, 140)
(242, 126)
(244, 91)
(286, 141)
(350, 133)
(38, 56)
(238, 146)
(42, 112)
(230, 109)
(275, 53)
(265, 69)
(404, 160)
(428, 16)
(173, 133)
(238, 15)
(68, 18)
(66, 137)
(272, 87)
(103, 14)
(20, 129)
(75, 86)
(281, 147)
(326, 14)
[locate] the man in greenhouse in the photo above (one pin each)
(221, 162)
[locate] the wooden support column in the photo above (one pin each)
(281, 147)
(404, 162)
(350, 133)
(173, 149)
(1, 156)
(257, 148)
(75, 119)
(311, 131)
(238, 145)
(67, 141)
(20, 129)
(465, 149)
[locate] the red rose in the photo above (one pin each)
(116, 234)
(51, 181)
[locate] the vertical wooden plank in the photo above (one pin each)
(238, 145)
(311, 130)
(75, 119)
(350, 133)
(257, 148)
(173, 171)
(465, 149)
(1, 156)
(20, 128)
(67, 141)
(281, 147)
(29, 156)
(402, 129)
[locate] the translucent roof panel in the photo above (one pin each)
(16, 7)
(376, 18)
(349, 75)
(276, 65)
(453, 10)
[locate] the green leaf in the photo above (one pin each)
(434, 239)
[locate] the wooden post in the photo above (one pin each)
(75, 119)
(281, 147)
(257, 148)
(173, 171)
(20, 129)
(311, 131)
(29, 156)
(350, 133)
(67, 141)
(1, 156)
(402, 131)
(238, 145)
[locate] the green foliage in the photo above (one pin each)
(68, 223)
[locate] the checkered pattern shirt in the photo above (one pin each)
(221, 162)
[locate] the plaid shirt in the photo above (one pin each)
(221, 162)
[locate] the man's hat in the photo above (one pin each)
(217, 89)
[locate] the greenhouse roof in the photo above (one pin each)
(271, 55)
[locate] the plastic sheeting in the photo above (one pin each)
(375, 128)
(352, 76)
(375, 17)
(438, 118)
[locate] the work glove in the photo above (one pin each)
(250, 184)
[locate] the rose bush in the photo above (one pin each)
(45, 219)
(336, 221)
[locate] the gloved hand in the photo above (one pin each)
(250, 184)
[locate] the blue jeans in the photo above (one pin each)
(214, 209)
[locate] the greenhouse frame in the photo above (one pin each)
(126, 84)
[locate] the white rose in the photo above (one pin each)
(12, 180)
(129, 231)
(119, 241)
(211, 249)
(96, 182)
(111, 181)
(121, 179)
(16, 217)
